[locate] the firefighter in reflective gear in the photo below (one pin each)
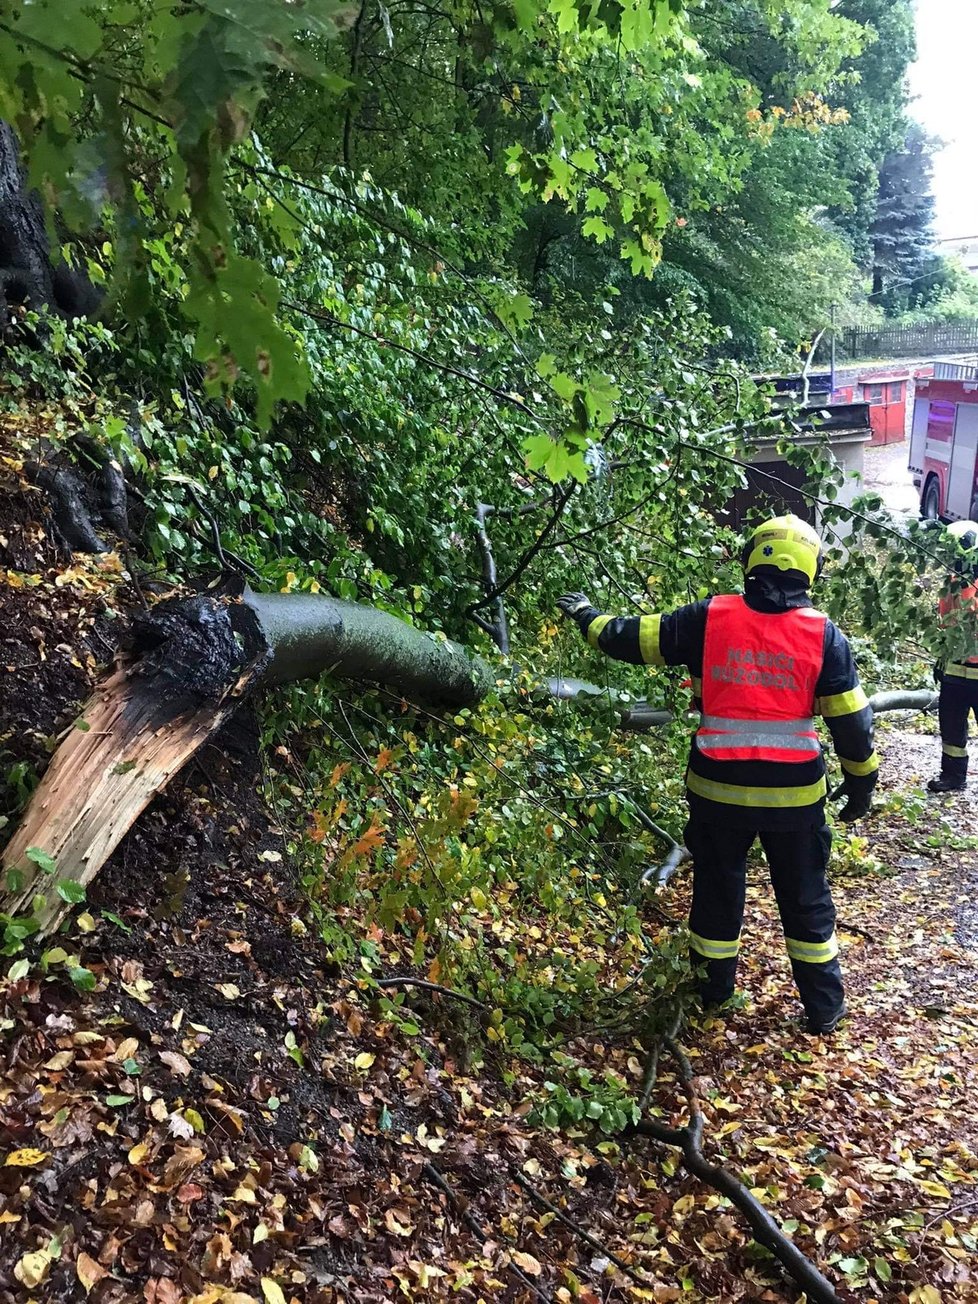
(959, 678)
(762, 666)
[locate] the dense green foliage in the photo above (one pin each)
(500, 259)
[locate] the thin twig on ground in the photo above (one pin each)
(582, 1232)
(438, 1179)
(407, 981)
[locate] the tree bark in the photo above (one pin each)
(28, 275)
(307, 634)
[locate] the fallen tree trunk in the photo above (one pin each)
(306, 634)
(200, 657)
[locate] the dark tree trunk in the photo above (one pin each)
(28, 276)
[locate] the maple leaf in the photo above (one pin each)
(369, 841)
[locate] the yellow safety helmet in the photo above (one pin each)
(966, 533)
(788, 543)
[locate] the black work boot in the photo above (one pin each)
(821, 1027)
(712, 1001)
(944, 783)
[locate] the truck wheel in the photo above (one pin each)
(930, 504)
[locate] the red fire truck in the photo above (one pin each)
(944, 443)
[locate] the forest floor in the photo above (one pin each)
(224, 1118)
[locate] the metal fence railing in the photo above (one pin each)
(929, 340)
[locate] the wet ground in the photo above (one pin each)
(886, 473)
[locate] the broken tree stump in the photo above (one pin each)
(118, 755)
(200, 657)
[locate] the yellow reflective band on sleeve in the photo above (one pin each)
(711, 949)
(961, 671)
(813, 952)
(697, 686)
(648, 640)
(960, 752)
(869, 766)
(595, 628)
(842, 703)
(732, 795)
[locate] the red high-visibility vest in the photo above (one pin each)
(965, 601)
(759, 677)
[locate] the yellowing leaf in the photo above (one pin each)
(925, 1295)
(272, 1291)
(89, 1272)
(395, 1225)
(533, 1267)
(59, 1061)
(138, 1153)
(935, 1188)
(364, 1060)
(32, 1269)
(259, 1234)
(245, 1195)
(25, 1158)
(86, 923)
(126, 1050)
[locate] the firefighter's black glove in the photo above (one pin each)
(858, 805)
(574, 604)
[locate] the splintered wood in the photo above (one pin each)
(120, 753)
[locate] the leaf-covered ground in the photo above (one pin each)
(222, 1117)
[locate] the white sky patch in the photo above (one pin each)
(944, 82)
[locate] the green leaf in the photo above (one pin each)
(19, 969)
(563, 385)
(117, 1101)
(70, 891)
(41, 859)
(538, 450)
(114, 919)
(83, 978)
(597, 229)
(882, 1269)
(853, 1267)
(558, 462)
